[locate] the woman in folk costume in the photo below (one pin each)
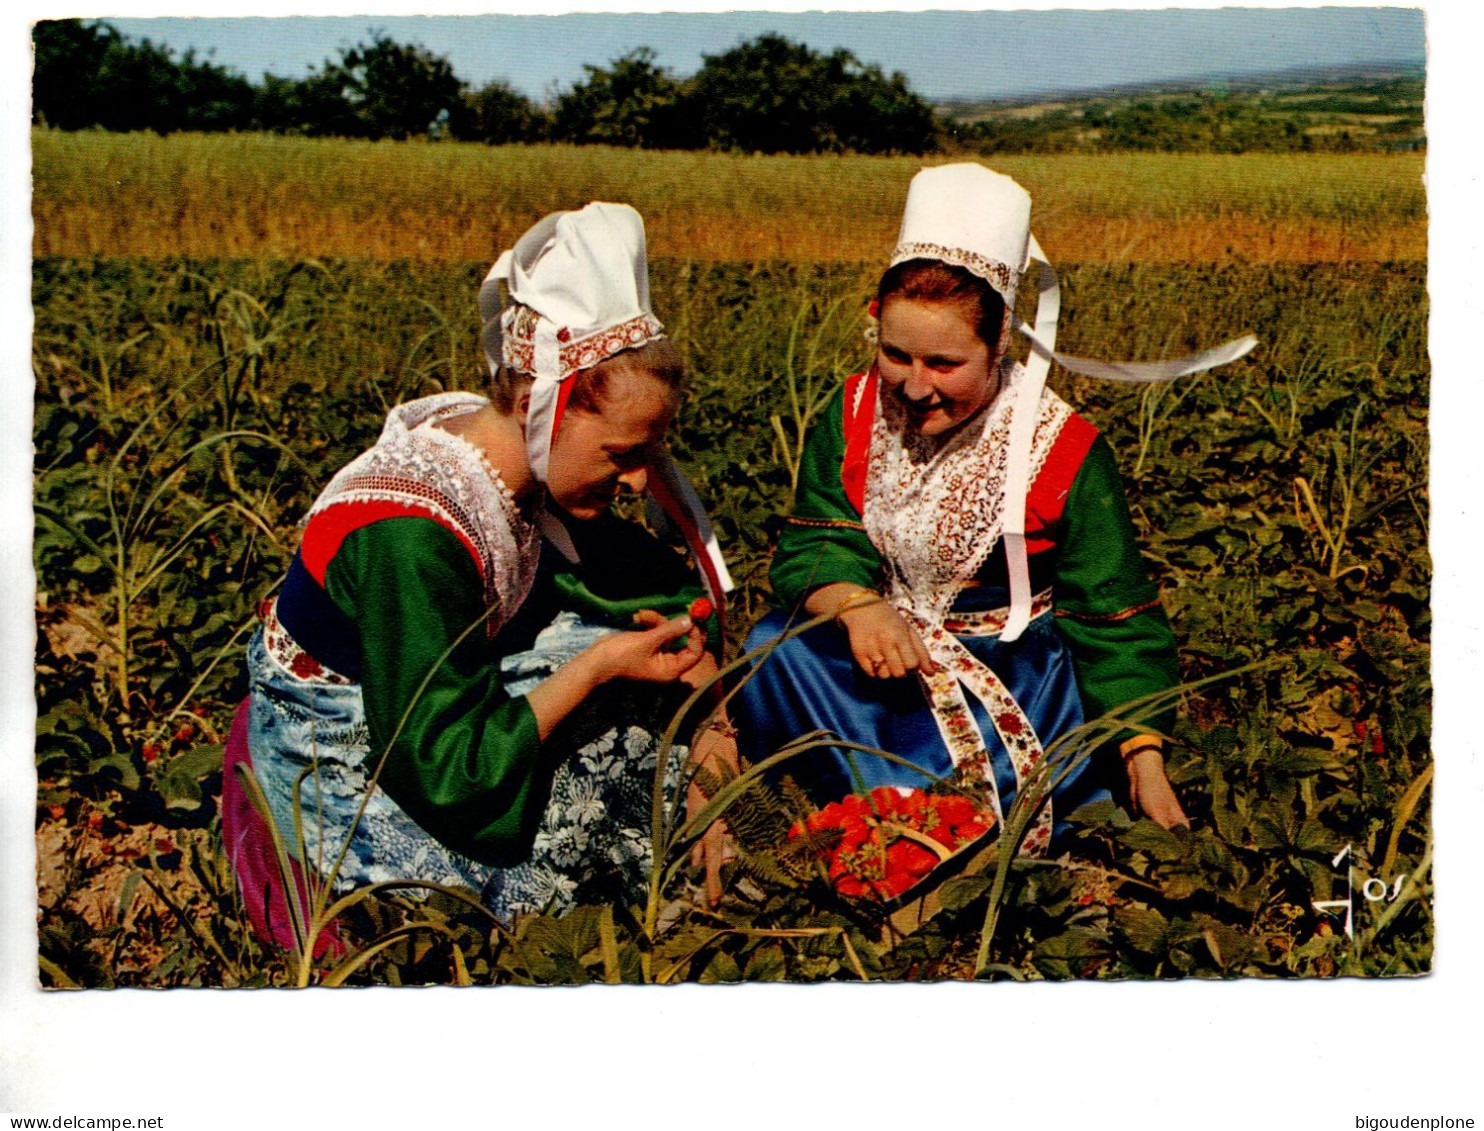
(520, 768)
(969, 533)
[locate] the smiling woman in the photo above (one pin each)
(407, 720)
(934, 352)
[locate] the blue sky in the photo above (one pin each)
(943, 53)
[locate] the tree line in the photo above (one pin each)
(766, 95)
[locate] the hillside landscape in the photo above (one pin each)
(1347, 110)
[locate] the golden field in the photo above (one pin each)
(276, 197)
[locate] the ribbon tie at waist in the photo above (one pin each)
(960, 674)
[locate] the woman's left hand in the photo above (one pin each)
(1148, 786)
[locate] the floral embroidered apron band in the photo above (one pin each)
(959, 675)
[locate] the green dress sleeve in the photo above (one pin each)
(623, 568)
(464, 756)
(823, 540)
(1107, 608)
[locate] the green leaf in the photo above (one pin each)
(179, 783)
(118, 766)
(722, 968)
(1072, 954)
(959, 892)
(1144, 927)
(1161, 843)
(766, 965)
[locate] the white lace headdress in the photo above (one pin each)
(578, 288)
(974, 218)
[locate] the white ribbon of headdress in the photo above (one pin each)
(1026, 411)
(546, 363)
(673, 479)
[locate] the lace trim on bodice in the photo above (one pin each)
(934, 509)
(416, 464)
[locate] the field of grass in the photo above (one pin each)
(210, 195)
(189, 406)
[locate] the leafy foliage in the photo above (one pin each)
(631, 102)
(774, 95)
(498, 114)
(89, 75)
(381, 89)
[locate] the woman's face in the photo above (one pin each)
(598, 455)
(932, 360)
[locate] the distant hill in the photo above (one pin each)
(1371, 107)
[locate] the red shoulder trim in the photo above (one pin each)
(859, 412)
(1048, 496)
(328, 529)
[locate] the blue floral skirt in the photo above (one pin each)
(593, 843)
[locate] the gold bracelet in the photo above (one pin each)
(1152, 744)
(855, 601)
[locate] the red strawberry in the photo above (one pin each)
(95, 819)
(700, 609)
(150, 752)
(58, 812)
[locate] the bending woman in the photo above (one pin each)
(392, 657)
(987, 592)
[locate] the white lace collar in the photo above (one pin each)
(415, 464)
(934, 509)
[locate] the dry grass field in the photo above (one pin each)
(292, 198)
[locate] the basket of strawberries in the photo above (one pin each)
(893, 845)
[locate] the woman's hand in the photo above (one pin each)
(641, 655)
(1149, 789)
(882, 642)
(644, 653)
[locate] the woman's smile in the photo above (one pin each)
(933, 362)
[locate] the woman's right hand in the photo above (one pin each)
(883, 643)
(644, 653)
(640, 654)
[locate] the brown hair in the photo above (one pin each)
(932, 280)
(659, 359)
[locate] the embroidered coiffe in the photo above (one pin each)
(579, 294)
